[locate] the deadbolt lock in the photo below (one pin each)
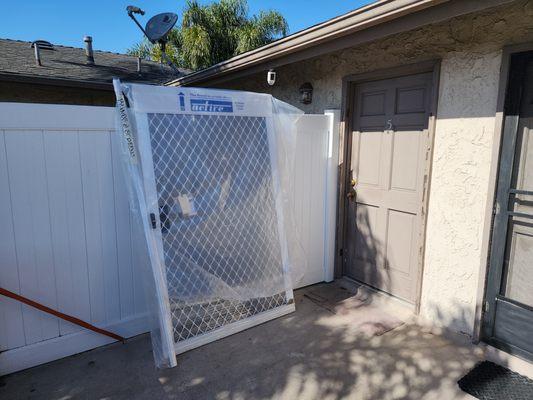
(353, 182)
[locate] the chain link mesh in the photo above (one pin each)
(218, 219)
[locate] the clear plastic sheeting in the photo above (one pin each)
(209, 174)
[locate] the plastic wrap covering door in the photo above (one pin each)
(509, 307)
(218, 222)
(389, 142)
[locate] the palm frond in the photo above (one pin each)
(196, 47)
(214, 32)
(273, 24)
(142, 49)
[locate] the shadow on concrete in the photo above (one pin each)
(306, 355)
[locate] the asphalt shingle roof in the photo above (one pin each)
(17, 58)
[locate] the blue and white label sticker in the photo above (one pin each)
(213, 103)
(204, 103)
(184, 100)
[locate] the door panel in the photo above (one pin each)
(389, 142)
(508, 318)
(373, 103)
(370, 154)
(519, 285)
(401, 228)
(367, 221)
(520, 275)
(411, 100)
(519, 254)
(513, 326)
(405, 162)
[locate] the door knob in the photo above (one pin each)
(351, 194)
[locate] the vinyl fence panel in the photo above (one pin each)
(69, 240)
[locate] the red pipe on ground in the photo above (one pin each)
(61, 315)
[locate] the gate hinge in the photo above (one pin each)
(496, 209)
(486, 306)
(341, 252)
(153, 221)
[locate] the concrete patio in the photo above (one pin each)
(338, 345)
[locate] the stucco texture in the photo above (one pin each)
(478, 33)
(470, 49)
(459, 185)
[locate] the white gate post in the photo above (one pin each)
(330, 206)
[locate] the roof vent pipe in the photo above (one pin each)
(89, 49)
(37, 54)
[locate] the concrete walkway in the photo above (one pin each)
(311, 354)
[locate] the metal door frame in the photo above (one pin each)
(495, 237)
(348, 107)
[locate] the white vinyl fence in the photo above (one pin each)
(69, 241)
(314, 195)
(66, 239)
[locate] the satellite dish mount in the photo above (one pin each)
(156, 30)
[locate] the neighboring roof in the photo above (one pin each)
(68, 65)
(338, 32)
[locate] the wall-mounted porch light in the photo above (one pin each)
(306, 93)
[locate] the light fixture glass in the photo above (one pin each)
(306, 93)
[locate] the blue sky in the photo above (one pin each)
(67, 21)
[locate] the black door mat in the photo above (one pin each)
(489, 381)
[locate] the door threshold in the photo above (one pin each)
(404, 310)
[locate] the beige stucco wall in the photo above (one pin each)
(459, 184)
(480, 33)
(470, 49)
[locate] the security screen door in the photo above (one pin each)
(211, 194)
(227, 240)
(388, 155)
(509, 299)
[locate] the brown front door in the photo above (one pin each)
(389, 143)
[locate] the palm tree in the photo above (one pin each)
(215, 32)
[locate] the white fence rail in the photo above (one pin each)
(69, 241)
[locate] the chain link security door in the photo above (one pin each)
(212, 187)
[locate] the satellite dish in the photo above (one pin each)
(158, 27)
